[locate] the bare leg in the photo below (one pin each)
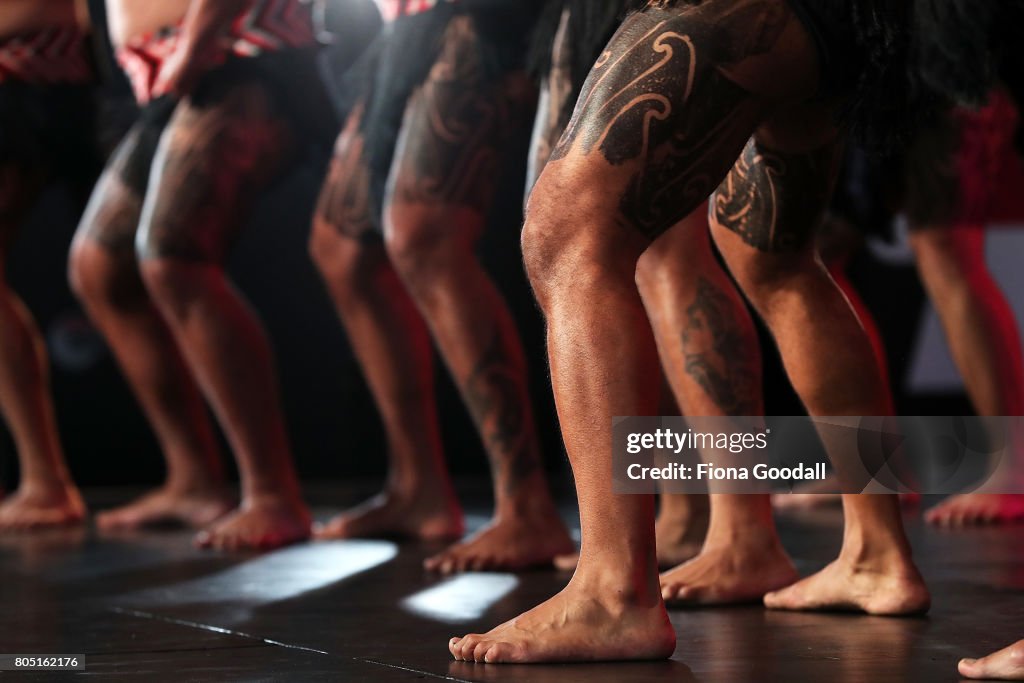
(212, 161)
(680, 527)
(393, 346)
(553, 106)
(765, 216)
(714, 366)
(442, 184)
(639, 156)
(104, 274)
(838, 241)
(984, 339)
(46, 496)
(1005, 665)
(682, 520)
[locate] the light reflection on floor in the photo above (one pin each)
(296, 570)
(462, 598)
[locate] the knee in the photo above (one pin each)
(349, 267)
(665, 263)
(544, 255)
(563, 257)
(103, 278)
(424, 242)
(174, 285)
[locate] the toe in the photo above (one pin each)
(499, 652)
(773, 600)
(480, 650)
(467, 645)
(969, 668)
(203, 540)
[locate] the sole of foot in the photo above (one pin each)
(26, 512)
(261, 526)
(1005, 665)
(513, 543)
(167, 508)
(844, 587)
(729, 575)
(392, 516)
(975, 509)
(573, 626)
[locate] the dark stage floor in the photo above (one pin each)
(147, 607)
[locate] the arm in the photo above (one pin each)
(206, 21)
(199, 46)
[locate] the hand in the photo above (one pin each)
(181, 71)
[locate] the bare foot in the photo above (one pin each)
(388, 515)
(732, 573)
(168, 507)
(31, 509)
(577, 625)
(977, 508)
(263, 524)
(1005, 665)
(509, 543)
(896, 590)
(680, 538)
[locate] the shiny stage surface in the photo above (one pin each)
(148, 607)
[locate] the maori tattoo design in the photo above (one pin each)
(212, 163)
(111, 218)
(497, 398)
(657, 104)
(718, 354)
(456, 125)
(346, 202)
(775, 200)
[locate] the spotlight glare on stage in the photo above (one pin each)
(463, 598)
(281, 575)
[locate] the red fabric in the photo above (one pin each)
(50, 56)
(266, 26)
(987, 160)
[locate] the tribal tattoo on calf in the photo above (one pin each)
(497, 398)
(457, 124)
(718, 356)
(658, 100)
(775, 200)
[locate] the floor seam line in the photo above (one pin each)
(141, 614)
(410, 669)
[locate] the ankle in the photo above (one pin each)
(876, 553)
(618, 587)
(49, 485)
(532, 502)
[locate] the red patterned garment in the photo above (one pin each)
(49, 56)
(266, 26)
